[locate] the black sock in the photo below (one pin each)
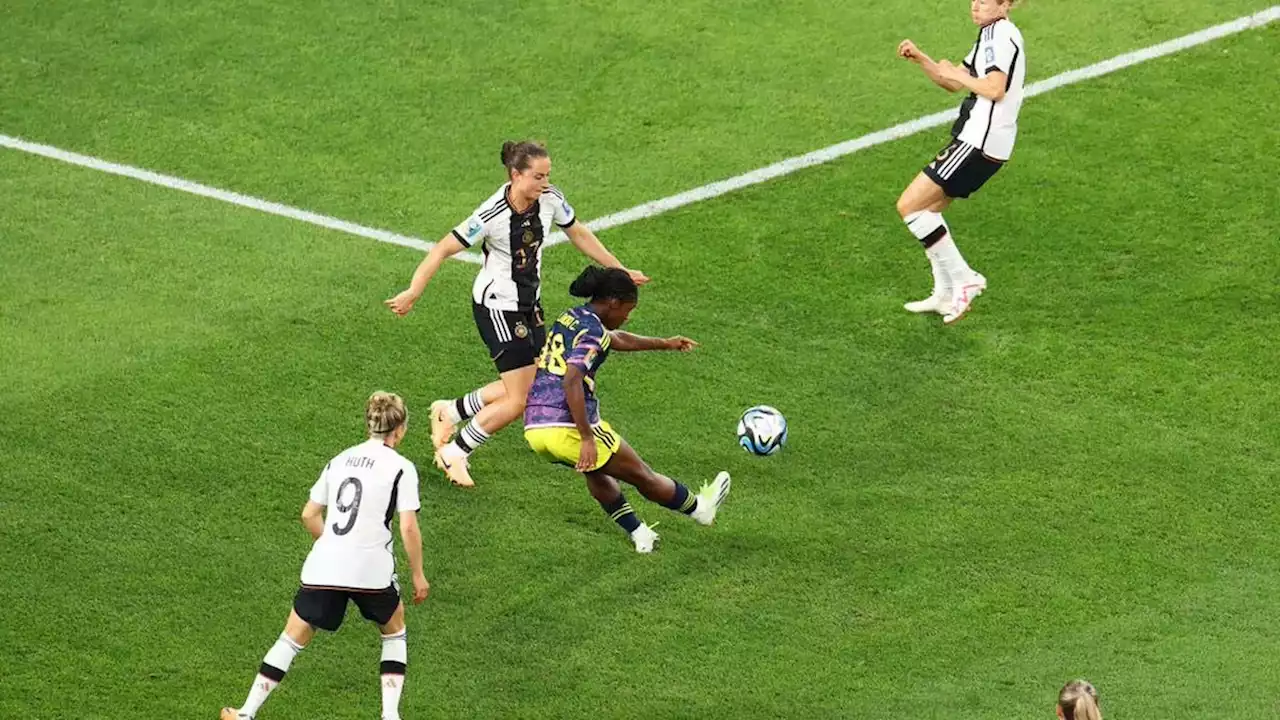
(682, 501)
(620, 512)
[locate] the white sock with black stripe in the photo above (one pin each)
(471, 437)
(929, 227)
(395, 656)
(272, 671)
(466, 407)
(949, 268)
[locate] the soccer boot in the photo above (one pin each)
(232, 714)
(454, 467)
(935, 303)
(963, 296)
(645, 538)
(710, 497)
(441, 426)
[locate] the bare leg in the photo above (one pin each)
(298, 629)
(626, 465)
(922, 194)
(452, 458)
(509, 395)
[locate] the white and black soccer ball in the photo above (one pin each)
(762, 430)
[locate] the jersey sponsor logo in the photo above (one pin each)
(591, 358)
(991, 55)
(568, 209)
(474, 227)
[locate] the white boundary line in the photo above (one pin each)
(658, 207)
(928, 122)
(227, 196)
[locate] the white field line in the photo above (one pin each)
(228, 196)
(928, 122)
(657, 207)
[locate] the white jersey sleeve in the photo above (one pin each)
(407, 497)
(470, 231)
(998, 50)
(562, 211)
(482, 222)
(320, 491)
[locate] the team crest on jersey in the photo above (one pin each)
(528, 237)
(521, 331)
(474, 226)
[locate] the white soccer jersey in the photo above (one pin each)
(362, 489)
(511, 278)
(992, 127)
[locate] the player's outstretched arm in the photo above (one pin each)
(588, 244)
(447, 247)
(411, 536)
(313, 519)
(627, 342)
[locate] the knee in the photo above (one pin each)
(517, 403)
(602, 490)
(904, 206)
(513, 403)
(648, 477)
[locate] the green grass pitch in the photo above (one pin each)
(1077, 480)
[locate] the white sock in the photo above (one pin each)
(952, 262)
(469, 405)
(471, 437)
(395, 654)
(931, 229)
(452, 412)
(941, 281)
(274, 666)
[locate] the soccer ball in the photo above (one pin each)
(762, 430)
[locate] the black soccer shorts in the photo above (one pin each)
(515, 339)
(324, 608)
(960, 169)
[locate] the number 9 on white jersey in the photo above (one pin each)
(363, 488)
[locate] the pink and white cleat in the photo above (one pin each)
(962, 296)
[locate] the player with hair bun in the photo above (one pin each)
(511, 227)
(562, 409)
(1078, 700)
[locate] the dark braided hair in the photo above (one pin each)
(599, 283)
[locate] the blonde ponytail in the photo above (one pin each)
(1078, 700)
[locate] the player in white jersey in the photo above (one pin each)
(511, 227)
(993, 72)
(364, 488)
